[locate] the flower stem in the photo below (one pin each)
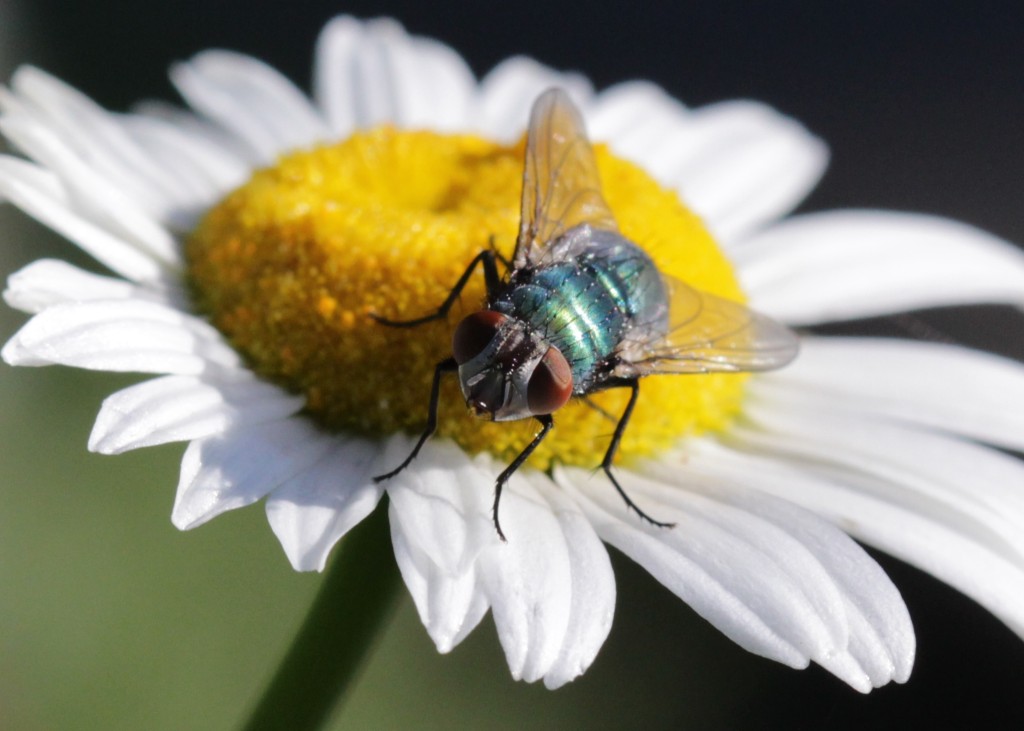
(355, 602)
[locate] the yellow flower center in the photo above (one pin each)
(290, 266)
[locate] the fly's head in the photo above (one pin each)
(506, 371)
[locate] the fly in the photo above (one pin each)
(581, 308)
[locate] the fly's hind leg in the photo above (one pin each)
(609, 456)
(491, 280)
(586, 400)
(447, 365)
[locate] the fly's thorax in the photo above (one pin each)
(593, 294)
(515, 375)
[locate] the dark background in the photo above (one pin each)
(922, 106)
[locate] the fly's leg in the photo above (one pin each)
(546, 423)
(494, 247)
(491, 280)
(445, 366)
(599, 409)
(609, 456)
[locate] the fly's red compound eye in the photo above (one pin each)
(550, 383)
(475, 333)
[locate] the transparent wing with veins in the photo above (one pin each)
(561, 186)
(696, 332)
(706, 334)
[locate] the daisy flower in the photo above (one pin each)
(249, 238)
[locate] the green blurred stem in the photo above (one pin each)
(354, 605)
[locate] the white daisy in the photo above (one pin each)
(885, 440)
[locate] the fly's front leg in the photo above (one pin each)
(546, 423)
(491, 280)
(445, 366)
(609, 456)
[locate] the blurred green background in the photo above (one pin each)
(112, 619)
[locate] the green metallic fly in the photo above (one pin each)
(581, 308)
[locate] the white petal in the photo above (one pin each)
(120, 335)
(40, 194)
(450, 606)
(741, 164)
(14, 354)
(237, 468)
(881, 638)
(222, 157)
(749, 570)
(251, 99)
(592, 592)
(362, 73)
(440, 525)
(89, 194)
(49, 282)
(842, 265)
(976, 490)
(644, 124)
(436, 86)
(334, 73)
(620, 112)
(509, 90)
(313, 510)
(529, 583)
(97, 137)
(441, 502)
(881, 652)
(375, 72)
(205, 172)
(948, 387)
(182, 408)
(912, 532)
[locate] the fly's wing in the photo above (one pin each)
(561, 187)
(707, 334)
